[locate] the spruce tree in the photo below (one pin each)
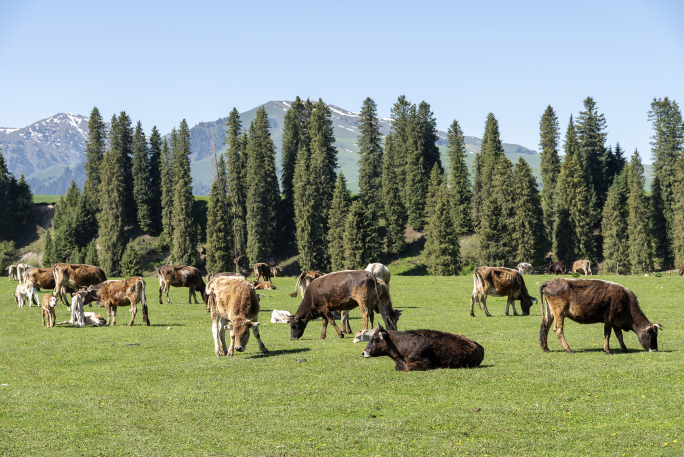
(678, 214)
(486, 162)
(121, 139)
(442, 248)
(166, 167)
(403, 114)
(338, 214)
(155, 191)
(591, 136)
(550, 163)
(415, 185)
(141, 180)
(614, 224)
(494, 231)
(219, 249)
(294, 130)
(323, 155)
(94, 152)
(434, 183)
(370, 149)
(183, 249)
(460, 192)
(427, 133)
(49, 258)
(130, 262)
(308, 233)
(236, 166)
(529, 237)
(90, 257)
(361, 244)
(638, 223)
(395, 214)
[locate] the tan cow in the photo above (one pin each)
(48, 310)
(75, 276)
(584, 265)
(500, 282)
(303, 281)
(12, 270)
(263, 285)
(181, 276)
(262, 270)
(93, 319)
(124, 292)
(234, 306)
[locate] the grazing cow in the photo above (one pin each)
(181, 276)
(48, 310)
(262, 270)
(26, 290)
(363, 335)
(584, 265)
(276, 272)
(424, 349)
(263, 285)
(384, 297)
(124, 292)
(22, 268)
(75, 276)
(525, 268)
(234, 306)
(338, 291)
(556, 267)
(93, 319)
(303, 281)
(280, 317)
(12, 270)
(77, 316)
(227, 274)
(500, 282)
(379, 271)
(591, 301)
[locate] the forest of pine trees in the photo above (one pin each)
(591, 202)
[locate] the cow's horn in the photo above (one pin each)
(658, 326)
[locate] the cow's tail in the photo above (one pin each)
(299, 279)
(143, 299)
(390, 322)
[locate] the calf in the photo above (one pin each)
(500, 282)
(125, 292)
(12, 270)
(77, 316)
(525, 268)
(234, 306)
(384, 297)
(93, 319)
(48, 310)
(583, 265)
(305, 278)
(592, 301)
(262, 270)
(181, 276)
(424, 349)
(26, 290)
(263, 285)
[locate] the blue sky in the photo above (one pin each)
(165, 61)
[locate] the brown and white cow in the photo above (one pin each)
(525, 268)
(263, 285)
(75, 276)
(26, 290)
(48, 310)
(276, 272)
(181, 276)
(593, 301)
(500, 282)
(124, 292)
(583, 265)
(90, 318)
(305, 278)
(262, 270)
(384, 297)
(234, 306)
(12, 272)
(338, 291)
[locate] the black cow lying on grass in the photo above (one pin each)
(424, 349)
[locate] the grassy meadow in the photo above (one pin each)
(159, 390)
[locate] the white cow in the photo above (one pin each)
(77, 316)
(525, 268)
(380, 272)
(93, 319)
(13, 273)
(26, 290)
(280, 317)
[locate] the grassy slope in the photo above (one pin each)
(86, 391)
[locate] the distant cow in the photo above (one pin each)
(276, 272)
(262, 270)
(234, 306)
(226, 274)
(263, 285)
(525, 268)
(338, 291)
(363, 335)
(591, 301)
(48, 310)
(584, 265)
(500, 282)
(124, 292)
(12, 272)
(557, 267)
(425, 349)
(181, 276)
(93, 319)
(75, 276)
(25, 290)
(379, 271)
(384, 297)
(303, 281)
(22, 268)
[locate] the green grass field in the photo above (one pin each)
(159, 391)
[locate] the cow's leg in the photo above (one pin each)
(255, 331)
(618, 334)
(114, 310)
(547, 320)
(558, 328)
(324, 322)
(346, 328)
(192, 293)
(231, 349)
(328, 316)
(161, 286)
(215, 322)
(607, 327)
(511, 301)
(166, 291)
(43, 315)
(420, 364)
(484, 305)
(134, 311)
(74, 318)
(473, 299)
(108, 310)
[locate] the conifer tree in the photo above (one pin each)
(323, 155)
(486, 162)
(130, 262)
(442, 248)
(219, 249)
(550, 163)
(395, 214)
(638, 223)
(614, 224)
(183, 249)
(294, 131)
(166, 167)
(155, 191)
(494, 231)
(415, 185)
(427, 134)
(678, 214)
(336, 223)
(121, 139)
(141, 179)
(49, 259)
(459, 189)
(361, 245)
(434, 183)
(591, 137)
(94, 152)
(236, 167)
(90, 257)
(403, 114)
(309, 233)
(370, 149)
(529, 237)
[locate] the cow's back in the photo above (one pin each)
(337, 288)
(233, 298)
(444, 349)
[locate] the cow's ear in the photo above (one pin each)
(254, 324)
(229, 326)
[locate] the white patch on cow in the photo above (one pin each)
(185, 274)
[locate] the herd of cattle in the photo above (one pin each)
(234, 306)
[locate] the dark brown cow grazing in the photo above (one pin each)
(234, 306)
(591, 301)
(500, 282)
(424, 349)
(305, 278)
(339, 291)
(181, 276)
(262, 270)
(75, 276)
(124, 292)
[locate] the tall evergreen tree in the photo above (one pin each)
(460, 192)
(678, 214)
(529, 237)
(394, 211)
(403, 114)
(49, 258)
(415, 184)
(323, 155)
(486, 162)
(361, 244)
(336, 222)
(591, 136)
(155, 192)
(434, 183)
(141, 179)
(638, 223)
(183, 249)
(235, 177)
(309, 233)
(550, 163)
(219, 249)
(166, 167)
(442, 249)
(427, 133)
(614, 224)
(130, 261)
(94, 152)
(121, 139)
(90, 257)
(370, 149)
(294, 130)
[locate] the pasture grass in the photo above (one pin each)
(158, 391)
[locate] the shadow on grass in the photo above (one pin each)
(278, 352)
(613, 351)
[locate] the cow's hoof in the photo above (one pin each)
(472, 314)
(515, 314)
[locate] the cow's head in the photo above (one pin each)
(297, 327)
(526, 304)
(53, 301)
(377, 345)
(239, 329)
(648, 336)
